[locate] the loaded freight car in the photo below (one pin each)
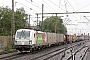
(74, 38)
(51, 38)
(68, 38)
(80, 37)
(60, 38)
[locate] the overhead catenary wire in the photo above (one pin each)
(49, 6)
(29, 8)
(56, 5)
(77, 4)
(33, 4)
(39, 5)
(25, 6)
(72, 8)
(46, 10)
(67, 20)
(67, 11)
(21, 4)
(71, 5)
(83, 7)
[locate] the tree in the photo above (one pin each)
(52, 24)
(6, 18)
(20, 18)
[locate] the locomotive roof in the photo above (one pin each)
(25, 30)
(30, 30)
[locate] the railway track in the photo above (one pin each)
(77, 55)
(6, 52)
(46, 56)
(53, 53)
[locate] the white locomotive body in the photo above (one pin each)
(26, 39)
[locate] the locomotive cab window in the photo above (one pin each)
(23, 34)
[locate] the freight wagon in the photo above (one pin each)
(68, 38)
(60, 39)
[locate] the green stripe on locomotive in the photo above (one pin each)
(39, 39)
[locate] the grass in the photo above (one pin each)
(8, 48)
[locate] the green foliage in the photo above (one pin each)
(6, 18)
(52, 23)
(20, 18)
(8, 48)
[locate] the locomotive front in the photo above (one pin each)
(23, 41)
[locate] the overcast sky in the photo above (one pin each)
(76, 23)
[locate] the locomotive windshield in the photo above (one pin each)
(23, 34)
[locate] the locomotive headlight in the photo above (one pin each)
(15, 42)
(30, 42)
